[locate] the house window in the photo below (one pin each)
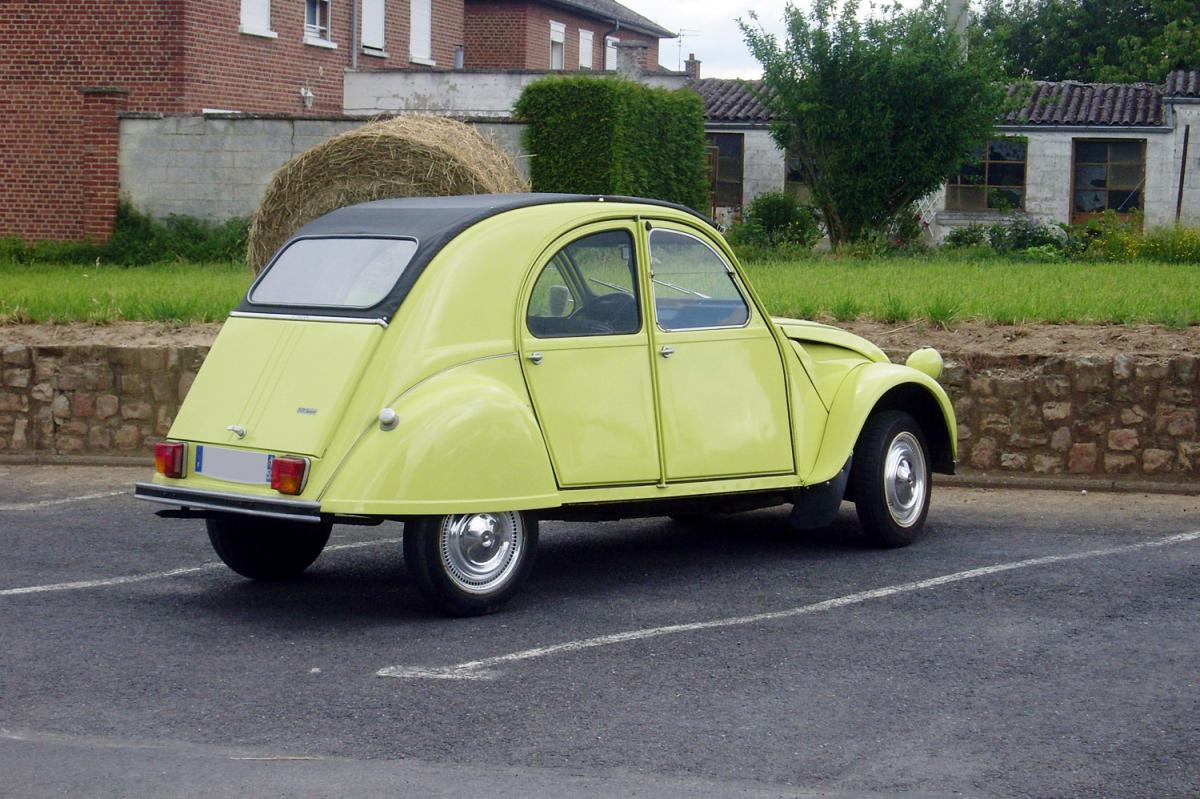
(420, 41)
(256, 18)
(610, 53)
(316, 20)
(558, 45)
(585, 49)
(994, 178)
(372, 27)
(1110, 175)
(725, 151)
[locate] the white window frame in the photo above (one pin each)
(317, 34)
(558, 35)
(420, 32)
(255, 19)
(610, 53)
(373, 30)
(585, 46)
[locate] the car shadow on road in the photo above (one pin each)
(574, 560)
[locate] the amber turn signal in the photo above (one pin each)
(169, 457)
(287, 474)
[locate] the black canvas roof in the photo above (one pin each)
(432, 221)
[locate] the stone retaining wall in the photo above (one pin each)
(1124, 416)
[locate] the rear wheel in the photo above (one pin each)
(890, 478)
(470, 564)
(266, 549)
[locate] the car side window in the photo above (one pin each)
(588, 288)
(693, 286)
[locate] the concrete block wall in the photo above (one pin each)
(1117, 418)
(763, 165)
(218, 166)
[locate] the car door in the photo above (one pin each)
(585, 355)
(722, 388)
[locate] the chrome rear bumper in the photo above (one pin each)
(220, 502)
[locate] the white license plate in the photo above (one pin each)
(234, 465)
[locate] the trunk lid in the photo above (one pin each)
(285, 381)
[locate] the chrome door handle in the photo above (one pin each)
(535, 358)
(666, 351)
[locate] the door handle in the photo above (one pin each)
(535, 358)
(666, 351)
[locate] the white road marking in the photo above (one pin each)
(141, 578)
(483, 669)
(49, 503)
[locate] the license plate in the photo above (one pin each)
(233, 465)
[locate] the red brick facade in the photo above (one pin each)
(69, 66)
(515, 34)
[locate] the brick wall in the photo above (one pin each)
(57, 154)
(515, 34)
(1100, 417)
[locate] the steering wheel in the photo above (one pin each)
(619, 310)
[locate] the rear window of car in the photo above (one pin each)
(334, 272)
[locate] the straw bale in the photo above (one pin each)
(407, 156)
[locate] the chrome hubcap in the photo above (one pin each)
(480, 551)
(905, 479)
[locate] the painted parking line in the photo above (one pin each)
(146, 577)
(49, 503)
(486, 668)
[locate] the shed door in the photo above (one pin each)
(585, 354)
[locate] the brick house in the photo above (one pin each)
(71, 67)
(1065, 152)
(556, 34)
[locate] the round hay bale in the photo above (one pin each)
(407, 156)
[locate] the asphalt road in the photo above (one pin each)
(759, 661)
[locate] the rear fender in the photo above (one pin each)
(466, 441)
(875, 387)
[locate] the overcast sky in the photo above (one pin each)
(715, 39)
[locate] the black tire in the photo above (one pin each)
(266, 549)
(446, 559)
(907, 479)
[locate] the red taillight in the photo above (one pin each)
(169, 457)
(287, 474)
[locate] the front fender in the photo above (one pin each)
(886, 386)
(466, 441)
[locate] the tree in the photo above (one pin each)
(1121, 41)
(878, 112)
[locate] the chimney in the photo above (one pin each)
(691, 67)
(957, 16)
(631, 59)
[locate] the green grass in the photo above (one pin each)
(945, 290)
(942, 290)
(179, 293)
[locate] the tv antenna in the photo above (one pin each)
(684, 33)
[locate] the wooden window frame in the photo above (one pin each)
(957, 183)
(1082, 217)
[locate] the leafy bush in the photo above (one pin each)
(783, 219)
(1023, 233)
(1172, 245)
(139, 239)
(973, 235)
(1110, 238)
(612, 136)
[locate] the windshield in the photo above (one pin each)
(334, 272)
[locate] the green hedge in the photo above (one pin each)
(590, 135)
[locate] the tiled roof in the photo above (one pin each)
(612, 10)
(731, 100)
(1071, 103)
(1183, 83)
(1058, 103)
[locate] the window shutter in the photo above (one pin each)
(585, 49)
(372, 24)
(610, 52)
(256, 15)
(421, 35)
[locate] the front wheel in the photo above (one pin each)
(266, 549)
(890, 478)
(470, 564)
